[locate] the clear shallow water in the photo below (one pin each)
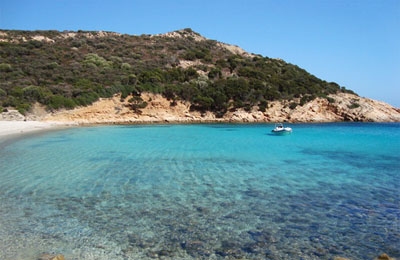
(202, 192)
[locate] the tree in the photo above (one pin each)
(136, 103)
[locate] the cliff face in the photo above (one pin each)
(346, 107)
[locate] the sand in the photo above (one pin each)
(13, 128)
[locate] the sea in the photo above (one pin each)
(202, 191)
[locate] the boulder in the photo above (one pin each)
(51, 257)
(384, 257)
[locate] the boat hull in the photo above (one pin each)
(282, 132)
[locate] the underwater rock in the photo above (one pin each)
(384, 257)
(45, 257)
(230, 253)
(252, 248)
(381, 257)
(230, 249)
(165, 252)
(195, 248)
(58, 257)
(262, 236)
(51, 257)
(192, 244)
(161, 253)
(320, 252)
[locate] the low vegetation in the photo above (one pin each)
(69, 69)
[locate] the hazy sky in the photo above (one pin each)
(355, 43)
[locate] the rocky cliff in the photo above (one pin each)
(344, 107)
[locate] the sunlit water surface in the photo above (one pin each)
(202, 192)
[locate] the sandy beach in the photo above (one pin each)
(13, 128)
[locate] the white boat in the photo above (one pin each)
(280, 129)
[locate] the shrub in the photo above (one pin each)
(136, 103)
(353, 105)
(263, 106)
(57, 102)
(306, 98)
(86, 98)
(16, 92)
(330, 100)
(214, 73)
(126, 90)
(23, 108)
(5, 67)
(92, 59)
(51, 65)
(36, 94)
(126, 66)
(202, 103)
(3, 93)
(293, 105)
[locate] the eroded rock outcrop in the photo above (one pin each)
(11, 115)
(340, 107)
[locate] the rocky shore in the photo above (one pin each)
(342, 107)
(61, 257)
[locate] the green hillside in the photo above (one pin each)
(69, 69)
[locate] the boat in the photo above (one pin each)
(281, 130)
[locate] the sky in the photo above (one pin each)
(355, 43)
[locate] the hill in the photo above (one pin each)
(204, 79)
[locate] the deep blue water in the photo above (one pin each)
(209, 191)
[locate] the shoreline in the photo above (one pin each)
(12, 129)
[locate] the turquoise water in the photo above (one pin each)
(214, 191)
